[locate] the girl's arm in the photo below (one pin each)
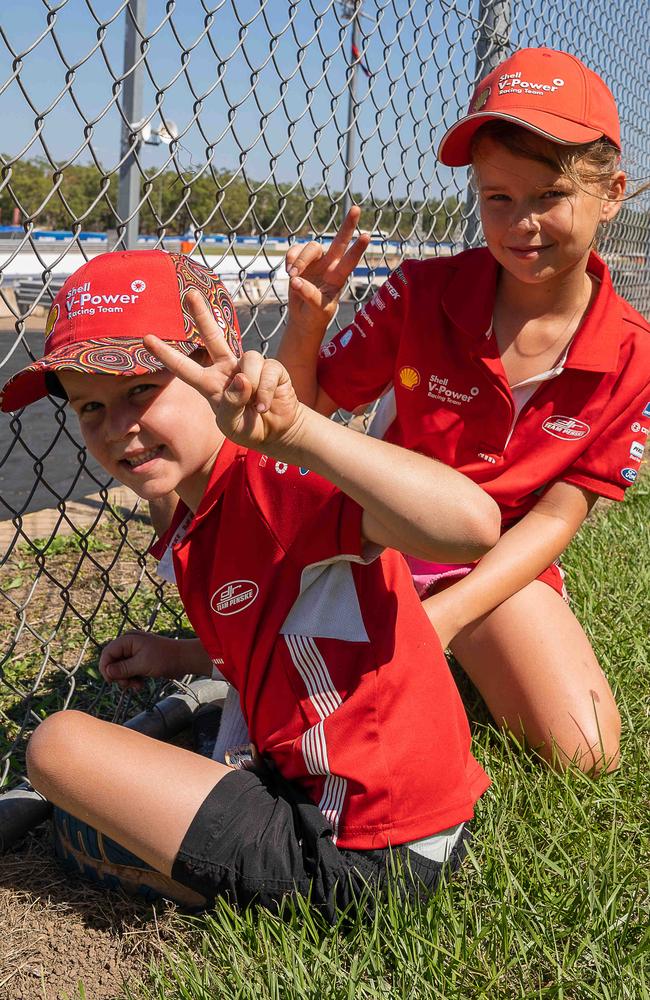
(519, 556)
(316, 280)
(134, 656)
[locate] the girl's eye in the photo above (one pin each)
(498, 197)
(554, 193)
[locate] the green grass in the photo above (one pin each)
(552, 903)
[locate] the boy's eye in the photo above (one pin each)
(90, 407)
(498, 197)
(137, 390)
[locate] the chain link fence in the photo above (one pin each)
(229, 130)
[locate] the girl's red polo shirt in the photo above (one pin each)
(427, 333)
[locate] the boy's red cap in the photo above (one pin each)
(98, 319)
(551, 93)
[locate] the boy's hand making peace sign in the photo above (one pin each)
(252, 397)
(318, 276)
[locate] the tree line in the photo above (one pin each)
(214, 202)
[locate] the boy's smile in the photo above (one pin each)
(151, 432)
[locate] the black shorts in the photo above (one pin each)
(257, 839)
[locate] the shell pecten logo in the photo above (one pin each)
(409, 377)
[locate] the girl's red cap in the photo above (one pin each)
(103, 311)
(548, 92)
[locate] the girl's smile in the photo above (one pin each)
(537, 222)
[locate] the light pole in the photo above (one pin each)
(353, 11)
(129, 178)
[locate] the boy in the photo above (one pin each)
(281, 560)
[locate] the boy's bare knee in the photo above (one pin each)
(51, 747)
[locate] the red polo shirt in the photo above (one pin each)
(331, 652)
(427, 332)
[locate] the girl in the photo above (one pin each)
(517, 364)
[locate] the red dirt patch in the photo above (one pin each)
(56, 932)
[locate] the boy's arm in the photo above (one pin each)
(316, 280)
(134, 656)
(410, 502)
(519, 556)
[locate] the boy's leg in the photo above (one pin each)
(85, 852)
(539, 677)
(142, 793)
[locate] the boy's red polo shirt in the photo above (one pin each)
(331, 653)
(427, 332)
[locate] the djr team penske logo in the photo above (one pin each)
(566, 428)
(234, 597)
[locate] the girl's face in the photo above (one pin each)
(151, 432)
(537, 223)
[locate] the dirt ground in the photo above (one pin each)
(56, 933)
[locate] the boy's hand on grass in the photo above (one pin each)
(252, 397)
(317, 277)
(134, 656)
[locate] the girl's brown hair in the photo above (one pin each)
(588, 163)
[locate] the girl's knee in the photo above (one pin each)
(592, 743)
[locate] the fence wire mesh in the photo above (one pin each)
(229, 129)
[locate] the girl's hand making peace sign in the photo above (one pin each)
(318, 276)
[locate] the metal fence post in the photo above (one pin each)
(492, 47)
(354, 9)
(129, 179)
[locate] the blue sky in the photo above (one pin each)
(421, 52)
(409, 55)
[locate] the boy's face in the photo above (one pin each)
(152, 432)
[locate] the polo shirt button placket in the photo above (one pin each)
(488, 453)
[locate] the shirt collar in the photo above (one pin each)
(468, 301)
(597, 343)
(218, 480)
(181, 525)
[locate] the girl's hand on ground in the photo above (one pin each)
(441, 613)
(317, 277)
(128, 660)
(252, 397)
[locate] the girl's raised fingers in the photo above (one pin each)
(307, 255)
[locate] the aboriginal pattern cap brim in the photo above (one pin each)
(99, 317)
(109, 356)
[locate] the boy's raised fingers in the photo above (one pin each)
(353, 255)
(346, 232)
(178, 364)
(211, 334)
